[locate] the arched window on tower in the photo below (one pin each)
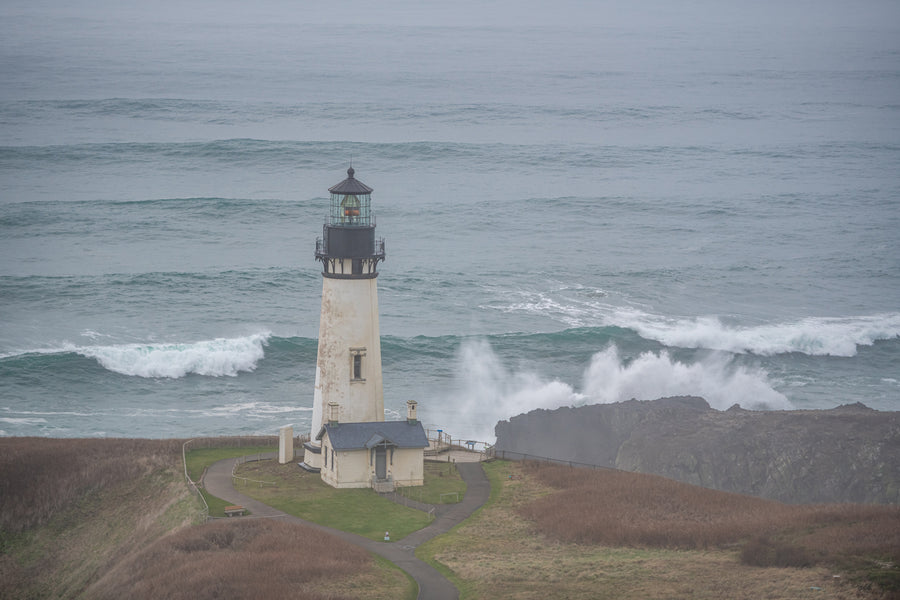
(356, 364)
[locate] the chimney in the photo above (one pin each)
(411, 412)
(334, 410)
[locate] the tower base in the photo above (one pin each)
(312, 457)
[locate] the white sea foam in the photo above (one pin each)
(252, 409)
(216, 358)
(493, 392)
(569, 311)
(93, 335)
(651, 376)
(817, 336)
(22, 420)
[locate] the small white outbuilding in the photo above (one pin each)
(378, 454)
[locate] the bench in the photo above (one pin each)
(231, 511)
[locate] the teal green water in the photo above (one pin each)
(580, 205)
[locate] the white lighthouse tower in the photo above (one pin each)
(348, 366)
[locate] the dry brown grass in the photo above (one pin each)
(614, 508)
(239, 558)
(630, 509)
(502, 554)
(73, 508)
(39, 477)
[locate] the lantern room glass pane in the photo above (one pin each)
(351, 210)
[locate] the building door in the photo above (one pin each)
(380, 463)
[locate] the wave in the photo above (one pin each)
(218, 357)
(60, 217)
(814, 336)
(219, 112)
(282, 155)
(215, 358)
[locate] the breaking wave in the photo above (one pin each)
(216, 358)
(815, 336)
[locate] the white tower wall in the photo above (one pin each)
(348, 326)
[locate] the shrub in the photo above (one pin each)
(766, 552)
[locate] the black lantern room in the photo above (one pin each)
(348, 248)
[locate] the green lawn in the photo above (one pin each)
(443, 485)
(198, 460)
(302, 494)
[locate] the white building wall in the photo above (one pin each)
(408, 468)
(348, 469)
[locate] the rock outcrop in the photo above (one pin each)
(846, 454)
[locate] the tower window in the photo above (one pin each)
(356, 364)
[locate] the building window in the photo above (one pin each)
(356, 364)
(326, 457)
(332, 459)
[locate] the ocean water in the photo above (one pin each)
(582, 202)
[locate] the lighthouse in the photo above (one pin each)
(348, 364)
(351, 445)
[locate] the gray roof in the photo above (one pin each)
(350, 186)
(356, 436)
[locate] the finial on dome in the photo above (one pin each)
(350, 172)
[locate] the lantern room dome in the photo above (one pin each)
(350, 186)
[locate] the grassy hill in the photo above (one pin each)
(114, 518)
(560, 532)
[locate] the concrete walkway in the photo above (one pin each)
(432, 585)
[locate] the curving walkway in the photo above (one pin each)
(432, 585)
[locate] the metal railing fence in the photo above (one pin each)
(204, 513)
(253, 458)
(520, 456)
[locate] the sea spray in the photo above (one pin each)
(609, 378)
(488, 391)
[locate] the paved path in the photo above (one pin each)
(432, 585)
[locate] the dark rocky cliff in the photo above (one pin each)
(846, 454)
